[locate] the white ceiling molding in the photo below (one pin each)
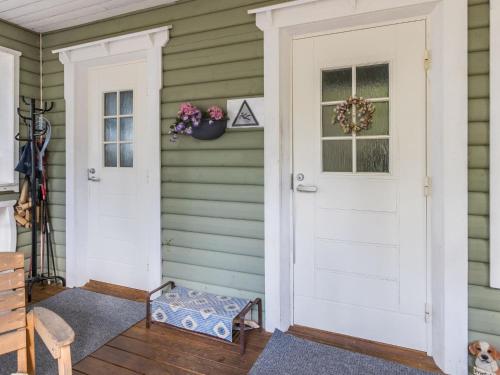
(139, 41)
(50, 15)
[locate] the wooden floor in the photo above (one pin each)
(161, 350)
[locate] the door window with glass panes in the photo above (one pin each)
(369, 150)
(119, 129)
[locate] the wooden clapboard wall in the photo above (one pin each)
(212, 192)
(27, 43)
(484, 302)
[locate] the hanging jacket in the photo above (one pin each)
(24, 164)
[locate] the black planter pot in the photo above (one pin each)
(206, 131)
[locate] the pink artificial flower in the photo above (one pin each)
(187, 109)
(216, 113)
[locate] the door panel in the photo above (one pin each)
(117, 168)
(380, 261)
(357, 225)
(360, 239)
(352, 197)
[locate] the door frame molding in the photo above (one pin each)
(447, 144)
(146, 45)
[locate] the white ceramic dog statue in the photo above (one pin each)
(486, 358)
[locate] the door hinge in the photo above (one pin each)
(427, 186)
(427, 60)
(291, 181)
(428, 312)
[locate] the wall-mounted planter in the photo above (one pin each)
(208, 131)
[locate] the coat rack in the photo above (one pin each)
(33, 135)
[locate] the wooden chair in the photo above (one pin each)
(13, 308)
(17, 329)
(55, 333)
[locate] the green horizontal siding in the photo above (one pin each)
(212, 192)
(484, 302)
(27, 43)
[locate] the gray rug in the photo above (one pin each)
(286, 354)
(95, 318)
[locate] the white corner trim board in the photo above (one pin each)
(8, 230)
(9, 120)
(494, 145)
(145, 45)
(446, 22)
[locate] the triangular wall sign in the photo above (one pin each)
(245, 116)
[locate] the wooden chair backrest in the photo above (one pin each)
(13, 307)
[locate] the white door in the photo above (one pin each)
(360, 238)
(117, 162)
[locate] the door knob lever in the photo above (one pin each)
(91, 176)
(307, 188)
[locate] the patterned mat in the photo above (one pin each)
(198, 311)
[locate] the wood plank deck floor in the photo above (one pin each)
(163, 350)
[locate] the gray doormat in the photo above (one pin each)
(95, 318)
(286, 354)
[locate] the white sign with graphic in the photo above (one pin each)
(245, 113)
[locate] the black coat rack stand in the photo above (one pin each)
(31, 122)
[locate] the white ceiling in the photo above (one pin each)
(48, 15)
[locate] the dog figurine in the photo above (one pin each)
(486, 358)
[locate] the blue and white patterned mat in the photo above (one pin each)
(198, 311)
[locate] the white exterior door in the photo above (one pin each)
(360, 207)
(118, 175)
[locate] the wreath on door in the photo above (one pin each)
(354, 115)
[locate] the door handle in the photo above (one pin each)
(307, 188)
(91, 175)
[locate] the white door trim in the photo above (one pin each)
(494, 145)
(77, 59)
(447, 128)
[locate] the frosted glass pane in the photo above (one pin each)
(380, 124)
(372, 81)
(110, 157)
(110, 129)
(337, 84)
(126, 155)
(372, 155)
(110, 104)
(126, 102)
(337, 156)
(126, 129)
(329, 129)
